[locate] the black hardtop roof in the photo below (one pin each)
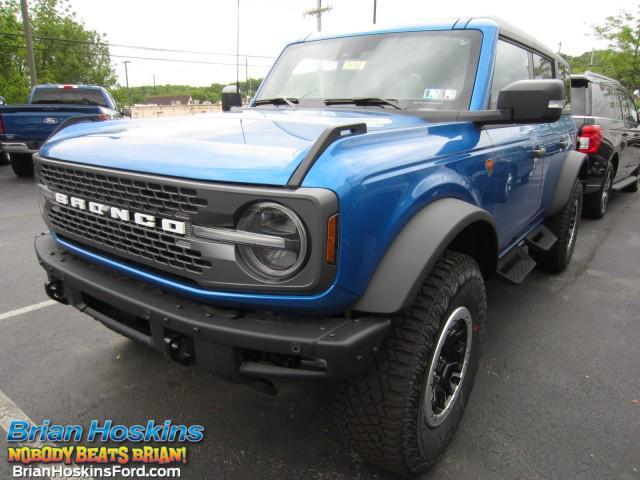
(514, 33)
(591, 76)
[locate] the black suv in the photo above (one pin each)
(608, 131)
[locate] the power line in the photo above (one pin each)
(175, 60)
(135, 47)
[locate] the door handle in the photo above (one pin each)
(539, 152)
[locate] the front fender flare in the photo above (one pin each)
(414, 252)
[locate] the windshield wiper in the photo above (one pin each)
(290, 101)
(364, 101)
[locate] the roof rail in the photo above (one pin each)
(589, 73)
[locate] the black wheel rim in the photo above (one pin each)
(448, 366)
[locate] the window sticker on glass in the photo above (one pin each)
(354, 65)
(440, 94)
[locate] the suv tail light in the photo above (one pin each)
(104, 116)
(590, 139)
(1, 125)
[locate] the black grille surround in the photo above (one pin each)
(207, 264)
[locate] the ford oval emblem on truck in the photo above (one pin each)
(50, 120)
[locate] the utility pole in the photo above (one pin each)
(375, 10)
(27, 41)
(593, 53)
(318, 11)
(246, 73)
(154, 83)
(559, 47)
(238, 57)
(126, 76)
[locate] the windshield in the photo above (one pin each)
(74, 96)
(432, 70)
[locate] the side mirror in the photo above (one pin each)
(532, 101)
(2, 101)
(126, 112)
(230, 97)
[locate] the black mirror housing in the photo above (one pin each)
(533, 101)
(126, 112)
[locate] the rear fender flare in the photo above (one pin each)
(574, 165)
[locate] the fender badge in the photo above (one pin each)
(489, 164)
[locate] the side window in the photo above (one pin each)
(564, 74)
(626, 112)
(605, 101)
(542, 67)
(632, 109)
(512, 64)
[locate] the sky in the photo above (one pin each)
(267, 25)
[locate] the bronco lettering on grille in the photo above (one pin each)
(143, 219)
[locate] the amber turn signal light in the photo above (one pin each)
(332, 240)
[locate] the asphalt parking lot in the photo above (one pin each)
(554, 398)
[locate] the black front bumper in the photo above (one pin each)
(231, 343)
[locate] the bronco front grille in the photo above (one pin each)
(152, 197)
(156, 246)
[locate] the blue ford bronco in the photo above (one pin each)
(341, 228)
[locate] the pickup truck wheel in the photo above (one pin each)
(596, 203)
(4, 159)
(565, 226)
(22, 164)
(402, 412)
(635, 186)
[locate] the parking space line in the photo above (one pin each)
(30, 308)
(10, 411)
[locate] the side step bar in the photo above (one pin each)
(624, 183)
(517, 264)
(541, 239)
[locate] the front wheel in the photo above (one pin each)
(22, 164)
(564, 225)
(402, 412)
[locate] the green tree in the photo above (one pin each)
(623, 59)
(65, 50)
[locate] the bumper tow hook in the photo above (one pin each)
(179, 348)
(55, 291)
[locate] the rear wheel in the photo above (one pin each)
(635, 186)
(596, 203)
(564, 225)
(4, 159)
(22, 164)
(403, 411)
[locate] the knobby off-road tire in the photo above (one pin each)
(386, 412)
(564, 225)
(22, 164)
(596, 203)
(635, 186)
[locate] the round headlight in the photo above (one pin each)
(270, 262)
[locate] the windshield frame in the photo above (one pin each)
(476, 36)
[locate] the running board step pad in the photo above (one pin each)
(515, 267)
(624, 183)
(541, 239)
